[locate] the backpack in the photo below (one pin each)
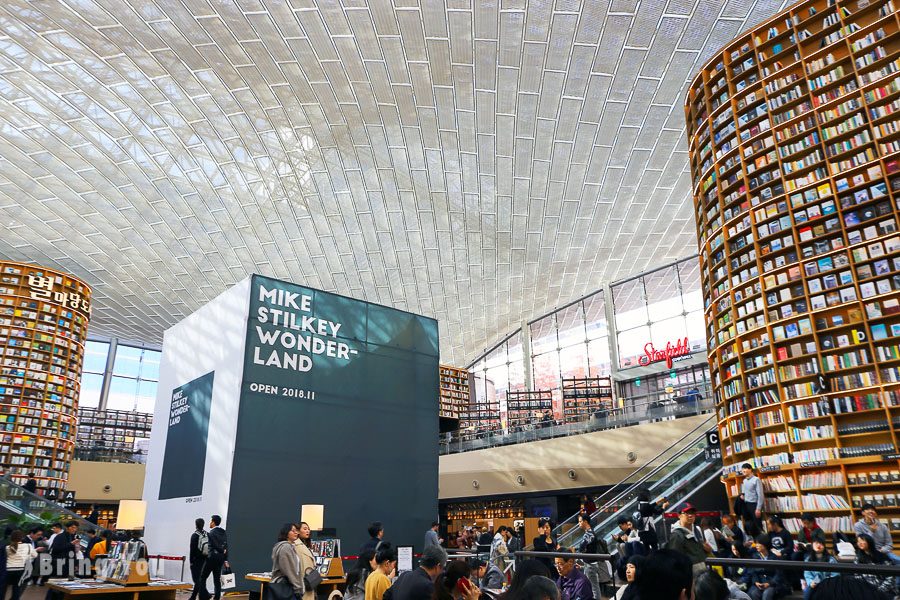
(203, 543)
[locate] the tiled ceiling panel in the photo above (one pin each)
(477, 162)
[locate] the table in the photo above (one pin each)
(121, 592)
(328, 586)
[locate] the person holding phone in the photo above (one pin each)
(454, 583)
(544, 542)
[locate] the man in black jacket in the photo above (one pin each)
(62, 552)
(218, 557)
(196, 557)
(418, 584)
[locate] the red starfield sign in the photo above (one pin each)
(668, 354)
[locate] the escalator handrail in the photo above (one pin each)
(704, 424)
(694, 472)
(653, 471)
(630, 490)
(674, 485)
(56, 508)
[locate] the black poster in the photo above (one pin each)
(185, 458)
(339, 407)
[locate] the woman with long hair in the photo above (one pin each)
(304, 553)
(525, 570)
(868, 554)
(817, 553)
(17, 556)
(285, 562)
(454, 583)
(356, 578)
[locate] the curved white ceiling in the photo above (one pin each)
(473, 160)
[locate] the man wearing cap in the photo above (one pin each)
(418, 584)
(754, 499)
(684, 540)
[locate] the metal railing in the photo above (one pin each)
(791, 565)
(626, 416)
(101, 454)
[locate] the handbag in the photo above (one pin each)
(280, 589)
(228, 579)
(312, 579)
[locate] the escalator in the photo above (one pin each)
(19, 508)
(674, 474)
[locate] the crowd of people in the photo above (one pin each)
(34, 554)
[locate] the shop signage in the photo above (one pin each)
(669, 354)
(42, 288)
(68, 499)
(713, 450)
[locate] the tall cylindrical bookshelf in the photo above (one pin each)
(794, 145)
(43, 327)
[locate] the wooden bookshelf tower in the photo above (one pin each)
(794, 144)
(43, 327)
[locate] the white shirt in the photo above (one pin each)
(16, 561)
(710, 538)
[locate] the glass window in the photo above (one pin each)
(669, 330)
(570, 325)
(573, 361)
(91, 385)
(595, 316)
(598, 357)
(545, 371)
(543, 335)
(122, 394)
(663, 294)
(145, 399)
(628, 299)
(516, 364)
(135, 373)
(631, 345)
(95, 354)
(128, 361)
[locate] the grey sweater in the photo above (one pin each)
(881, 536)
(286, 564)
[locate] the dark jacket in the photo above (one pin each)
(195, 556)
(647, 511)
(372, 544)
(62, 545)
(31, 486)
(218, 545)
(541, 545)
(680, 541)
(774, 577)
(575, 587)
(782, 544)
(412, 585)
